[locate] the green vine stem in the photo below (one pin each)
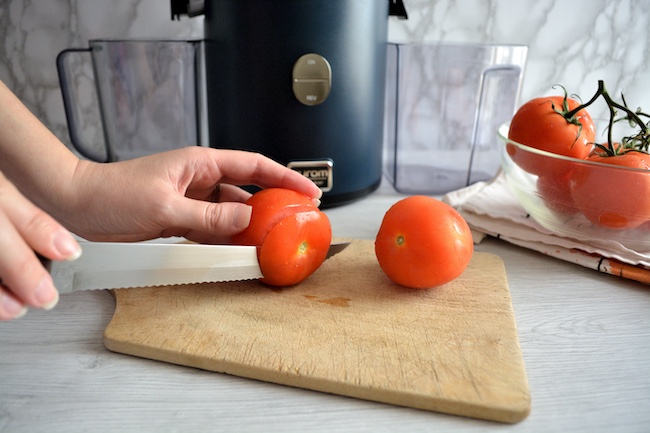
(569, 115)
(638, 142)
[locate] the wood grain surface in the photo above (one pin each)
(346, 330)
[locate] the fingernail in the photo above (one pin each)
(46, 295)
(242, 216)
(316, 202)
(67, 246)
(11, 306)
(52, 303)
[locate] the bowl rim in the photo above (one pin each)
(502, 134)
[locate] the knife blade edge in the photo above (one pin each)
(109, 265)
(159, 277)
(106, 265)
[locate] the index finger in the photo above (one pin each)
(242, 167)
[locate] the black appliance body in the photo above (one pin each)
(302, 82)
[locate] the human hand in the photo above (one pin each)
(191, 192)
(24, 229)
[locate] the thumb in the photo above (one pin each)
(226, 218)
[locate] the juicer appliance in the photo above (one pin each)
(300, 81)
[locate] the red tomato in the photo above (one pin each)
(610, 196)
(423, 243)
(556, 194)
(292, 234)
(536, 124)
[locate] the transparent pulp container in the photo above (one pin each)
(146, 93)
(444, 103)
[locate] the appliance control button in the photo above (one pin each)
(312, 79)
(311, 92)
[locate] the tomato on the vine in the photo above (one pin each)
(541, 124)
(556, 193)
(423, 243)
(607, 183)
(610, 195)
(291, 233)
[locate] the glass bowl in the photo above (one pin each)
(587, 201)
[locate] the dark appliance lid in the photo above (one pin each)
(193, 8)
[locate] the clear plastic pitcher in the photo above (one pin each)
(444, 103)
(148, 94)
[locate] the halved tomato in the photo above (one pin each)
(291, 233)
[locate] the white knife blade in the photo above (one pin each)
(115, 265)
(107, 265)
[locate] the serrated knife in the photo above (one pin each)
(107, 265)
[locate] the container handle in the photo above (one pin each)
(69, 107)
(482, 101)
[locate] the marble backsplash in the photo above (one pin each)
(570, 43)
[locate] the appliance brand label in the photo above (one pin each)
(320, 172)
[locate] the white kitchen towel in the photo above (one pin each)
(490, 208)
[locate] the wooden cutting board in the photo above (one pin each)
(346, 330)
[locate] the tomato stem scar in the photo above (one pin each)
(302, 249)
(400, 240)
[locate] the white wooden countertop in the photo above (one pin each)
(585, 339)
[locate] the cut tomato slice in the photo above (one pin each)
(294, 248)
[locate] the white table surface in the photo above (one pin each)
(585, 339)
